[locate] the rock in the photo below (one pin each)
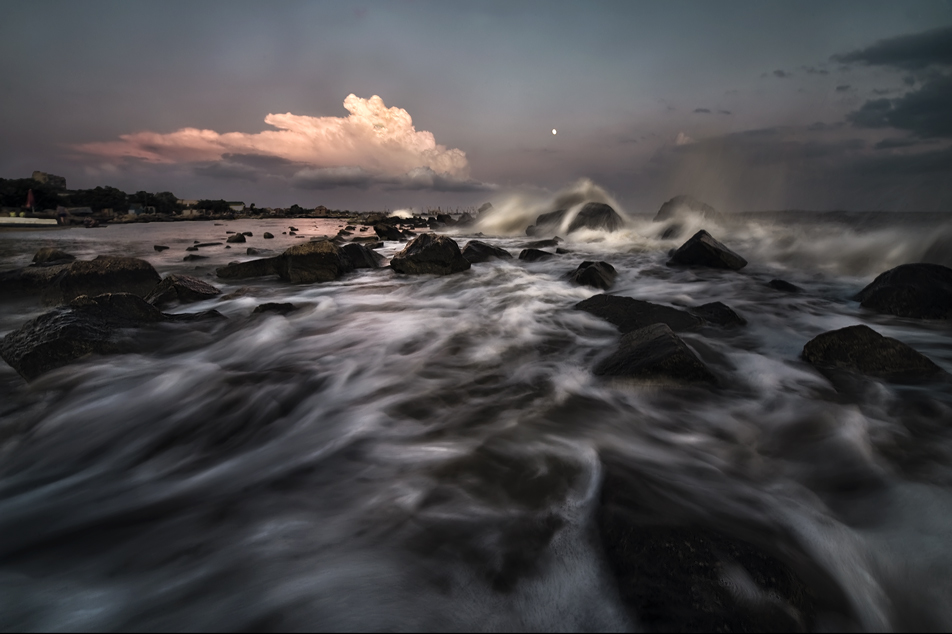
(29, 280)
(361, 257)
(430, 254)
(547, 223)
(350, 228)
(596, 216)
(629, 314)
(704, 250)
(783, 286)
(534, 255)
(207, 244)
(465, 220)
(236, 238)
(719, 314)
(271, 307)
(268, 236)
(595, 274)
(684, 205)
(292, 233)
(181, 288)
(252, 251)
(388, 232)
(477, 251)
(193, 257)
(243, 270)
(861, 349)
(50, 255)
(446, 219)
(542, 244)
(160, 248)
(105, 274)
(312, 262)
(655, 353)
(192, 248)
(920, 291)
(672, 232)
(484, 208)
(248, 234)
(292, 228)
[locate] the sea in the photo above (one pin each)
(374, 460)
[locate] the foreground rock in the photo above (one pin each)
(105, 274)
(719, 314)
(921, 291)
(236, 238)
(29, 280)
(362, 257)
(430, 254)
(784, 286)
(681, 206)
(703, 250)
(476, 251)
(320, 261)
(629, 314)
(655, 354)
(243, 270)
(861, 349)
(595, 274)
(277, 308)
(597, 216)
(183, 289)
(388, 232)
(85, 326)
(51, 256)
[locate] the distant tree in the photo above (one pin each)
(296, 210)
(100, 198)
(13, 193)
(216, 206)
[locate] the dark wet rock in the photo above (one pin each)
(921, 291)
(29, 280)
(596, 216)
(861, 349)
(50, 256)
(181, 288)
(595, 274)
(277, 308)
(719, 314)
(430, 254)
(703, 250)
(236, 238)
(446, 219)
(160, 247)
(685, 205)
(248, 234)
(465, 220)
(268, 236)
(542, 244)
(478, 251)
(228, 231)
(84, 326)
(784, 286)
(105, 274)
(292, 233)
(192, 257)
(192, 248)
(208, 244)
(672, 232)
(243, 291)
(361, 257)
(350, 228)
(547, 223)
(292, 228)
(655, 353)
(242, 270)
(561, 251)
(312, 262)
(252, 251)
(388, 232)
(534, 255)
(629, 314)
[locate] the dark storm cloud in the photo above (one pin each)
(419, 179)
(782, 74)
(843, 88)
(893, 144)
(924, 112)
(911, 52)
(724, 112)
(702, 111)
(812, 70)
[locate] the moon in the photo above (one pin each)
(553, 130)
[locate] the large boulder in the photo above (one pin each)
(595, 274)
(360, 257)
(703, 250)
(547, 223)
(236, 238)
(243, 270)
(629, 314)
(655, 354)
(430, 254)
(680, 206)
(388, 232)
(311, 262)
(29, 280)
(922, 291)
(105, 274)
(861, 349)
(534, 255)
(719, 314)
(50, 255)
(477, 251)
(181, 288)
(596, 216)
(84, 326)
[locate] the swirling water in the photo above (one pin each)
(424, 452)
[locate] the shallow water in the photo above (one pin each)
(424, 452)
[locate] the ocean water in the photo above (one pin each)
(419, 452)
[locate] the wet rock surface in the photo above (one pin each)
(534, 255)
(105, 274)
(278, 308)
(784, 286)
(181, 288)
(312, 262)
(50, 255)
(704, 251)
(629, 314)
(236, 238)
(430, 254)
(596, 216)
(362, 257)
(388, 232)
(655, 354)
(719, 314)
(921, 291)
(476, 251)
(685, 205)
(861, 349)
(595, 274)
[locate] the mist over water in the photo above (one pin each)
(419, 452)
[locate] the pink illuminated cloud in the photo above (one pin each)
(373, 138)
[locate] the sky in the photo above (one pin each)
(752, 105)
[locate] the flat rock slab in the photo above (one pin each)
(655, 354)
(703, 250)
(861, 349)
(430, 254)
(920, 291)
(595, 274)
(631, 314)
(181, 288)
(477, 251)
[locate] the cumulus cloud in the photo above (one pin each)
(913, 52)
(379, 140)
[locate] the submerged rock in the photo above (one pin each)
(784, 286)
(477, 251)
(921, 291)
(595, 274)
(703, 250)
(160, 247)
(655, 353)
(629, 314)
(105, 274)
(861, 349)
(181, 288)
(534, 255)
(685, 205)
(362, 257)
(543, 244)
(272, 307)
(50, 255)
(430, 254)
(719, 314)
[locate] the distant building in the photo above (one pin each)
(193, 213)
(79, 211)
(236, 206)
(187, 203)
(54, 181)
